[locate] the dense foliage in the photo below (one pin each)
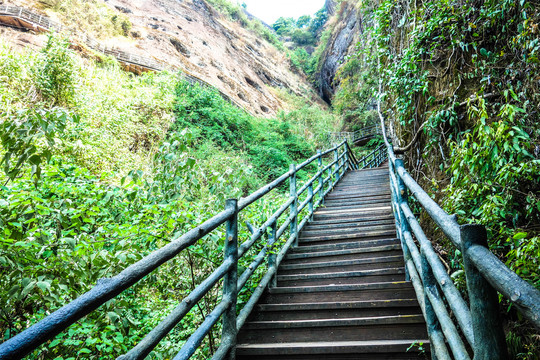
(100, 169)
(464, 74)
(302, 35)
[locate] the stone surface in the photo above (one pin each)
(347, 30)
(192, 37)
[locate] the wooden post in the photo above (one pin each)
(310, 204)
(403, 197)
(346, 160)
(272, 257)
(294, 205)
(230, 279)
(321, 176)
(429, 284)
(336, 166)
(489, 339)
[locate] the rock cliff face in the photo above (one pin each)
(346, 29)
(191, 36)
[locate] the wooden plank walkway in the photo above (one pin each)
(341, 294)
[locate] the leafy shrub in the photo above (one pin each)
(270, 144)
(21, 134)
(55, 72)
(302, 37)
(301, 60)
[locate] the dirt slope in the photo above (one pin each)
(192, 36)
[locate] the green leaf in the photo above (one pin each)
(519, 236)
(43, 285)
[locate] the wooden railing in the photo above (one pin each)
(323, 181)
(40, 22)
(43, 24)
(477, 324)
(354, 136)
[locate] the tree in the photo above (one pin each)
(303, 37)
(284, 26)
(318, 21)
(303, 21)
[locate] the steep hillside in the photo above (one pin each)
(190, 36)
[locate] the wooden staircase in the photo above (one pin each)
(341, 294)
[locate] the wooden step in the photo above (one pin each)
(358, 231)
(342, 277)
(325, 293)
(346, 265)
(332, 310)
(335, 350)
(353, 244)
(344, 238)
(395, 327)
(341, 293)
(329, 223)
(350, 203)
(345, 254)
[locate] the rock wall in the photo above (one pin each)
(347, 28)
(330, 6)
(192, 37)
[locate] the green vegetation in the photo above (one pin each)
(237, 13)
(101, 168)
(304, 30)
(463, 75)
(302, 34)
(92, 17)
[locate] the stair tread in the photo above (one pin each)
(343, 252)
(337, 274)
(341, 293)
(339, 305)
(383, 345)
(339, 263)
(362, 321)
(355, 244)
(330, 288)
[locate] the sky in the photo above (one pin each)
(270, 10)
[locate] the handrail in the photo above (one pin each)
(355, 136)
(106, 289)
(486, 275)
(43, 23)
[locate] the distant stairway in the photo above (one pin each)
(341, 294)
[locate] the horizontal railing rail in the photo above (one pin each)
(478, 323)
(43, 23)
(354, 136)
(323, 181)
(366, 132)
(374, 158)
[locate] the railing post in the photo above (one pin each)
(310, 204)
(272, 257)
(429, 284)
(321, 176)
(346, 159)
(230, 279)
(336, 166)
(294, 205)
(489, 339)
(402, 197)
